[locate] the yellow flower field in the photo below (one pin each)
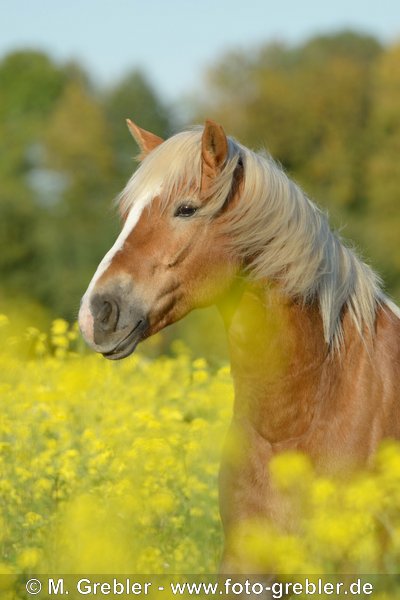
(108, 467)
(112, 468)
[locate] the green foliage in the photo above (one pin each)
(308, 105)
(328, 110)
(30, 84)
(75, 230)
(59, 171)
(381, 226)
(133, 97)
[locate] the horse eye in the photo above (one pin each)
(185, 210)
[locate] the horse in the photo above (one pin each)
(314, 342)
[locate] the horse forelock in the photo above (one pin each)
(172, 166)
(278, 231)
(174, 170)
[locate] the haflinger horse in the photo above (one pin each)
(314, 342)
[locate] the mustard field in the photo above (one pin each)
(112, 468)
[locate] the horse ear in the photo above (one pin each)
(214, 151)
(145, 140)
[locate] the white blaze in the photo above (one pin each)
(85, 316)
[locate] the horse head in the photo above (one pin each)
(172, 253)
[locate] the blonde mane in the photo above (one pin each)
(275, 228)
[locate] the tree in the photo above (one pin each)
(308, 105)
(65, 153)
(135, 98)
(382, 228)
(328, 110)
(77, 228)
(55, 180)
(30, 84)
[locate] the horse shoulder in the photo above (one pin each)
(387, 364)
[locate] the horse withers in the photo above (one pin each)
(314, 342)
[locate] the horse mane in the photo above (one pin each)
(280, 234)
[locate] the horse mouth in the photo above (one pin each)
(128, 344)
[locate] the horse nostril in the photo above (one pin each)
(106, 313)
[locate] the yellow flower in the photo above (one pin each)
(32, 518)
(113, 467)
(61, 341)
(200, 376)
(323, 491)
(290, 469)
(59, 327)
(162, 502)
(200, 363)
(28, 558)
(364, 495)
(4, 320)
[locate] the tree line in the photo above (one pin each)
(328, 110)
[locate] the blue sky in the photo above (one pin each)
(173, 41)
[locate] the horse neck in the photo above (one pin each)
(278, 359)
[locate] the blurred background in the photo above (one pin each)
(317, 85)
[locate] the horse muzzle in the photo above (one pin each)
(112, 325)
